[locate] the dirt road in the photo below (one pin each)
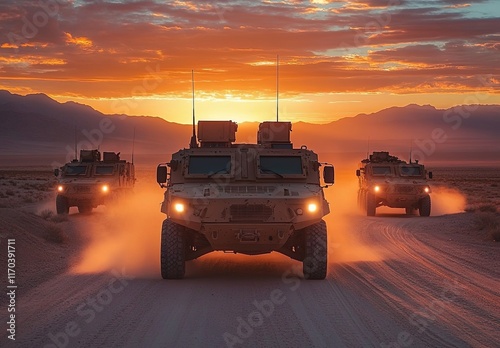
(393, 281)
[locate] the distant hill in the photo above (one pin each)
(36, 125)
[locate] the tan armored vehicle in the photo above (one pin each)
(91, 182)
(244, 198)
(385, 180)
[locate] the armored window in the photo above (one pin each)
(410, 171)
(75, 170)
(104, 170)
(382, 170)
(209, 165)
(281, 165)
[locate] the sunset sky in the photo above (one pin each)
(337, 58)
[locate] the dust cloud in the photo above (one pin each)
(445, 200)
(345, 223)
(124, 237)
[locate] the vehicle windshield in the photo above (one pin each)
(209, 165)
(75, 170)
(281, 165)
(382, 170)
(411, 171)
(104, 170)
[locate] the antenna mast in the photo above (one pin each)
(76, 150)
(193, 143)
(133, 146)
(411, 149)
(277, 86)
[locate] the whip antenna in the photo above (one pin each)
(193, 143)
(133, 146)
(76, 150)
(277, 85)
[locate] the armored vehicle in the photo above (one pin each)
(90, 181)
(385, 180)
(244, 198)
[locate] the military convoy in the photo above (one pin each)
(90, 181)
(385, 180)
(244, 198)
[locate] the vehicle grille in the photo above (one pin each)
(82, 189)
(404, 189)
(247, 189)
(250, 212)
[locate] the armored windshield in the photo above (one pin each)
(75, 170)
(411, 171)
(281, 165)
(104, 170)
(209, 165)
(382, 170)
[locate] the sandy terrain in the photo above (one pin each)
(393, 281)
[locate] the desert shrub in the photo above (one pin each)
(28, 199)
(490, 223)
(46, 214)
(59, 218)
(488, 208)
(54, 234)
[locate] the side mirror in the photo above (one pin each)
(358, 172)
(430, 175)
(161, 175)
(56, 172)
(329, 175)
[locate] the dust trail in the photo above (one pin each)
(345, 222)
(447, 201)
(124, 237)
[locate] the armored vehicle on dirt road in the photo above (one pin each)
(91, 182)
(244, 198)
(385, 180)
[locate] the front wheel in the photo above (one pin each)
(371, 204)
(173, 250)
(424, 207)
(315, 258)
(62, 205)
(85, 209)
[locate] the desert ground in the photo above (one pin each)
(92, 280)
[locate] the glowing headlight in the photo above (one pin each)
(105, 188)
(427, 190)
(312, 207)
(60, 188)
(376, 188)
(179, 207)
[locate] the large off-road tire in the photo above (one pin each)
(424, 206)
(173, 250)
(314, 264)
(62, 205)
(371, 204)
(85, 209)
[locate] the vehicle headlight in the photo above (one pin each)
(312, 207)
(105, 188)
(377, 188)
(427, 189)
(60, 188)
(179, 207)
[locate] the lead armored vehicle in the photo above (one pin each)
(90, 181)
(244, 198)
(385, 180)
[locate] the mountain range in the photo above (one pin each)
(37, 127)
